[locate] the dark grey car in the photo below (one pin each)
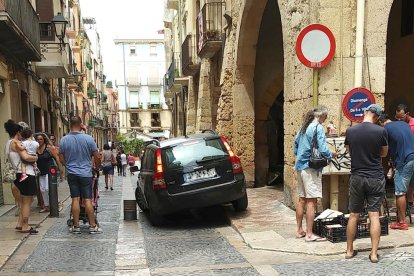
(189, 172)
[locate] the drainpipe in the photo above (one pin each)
(359, 42)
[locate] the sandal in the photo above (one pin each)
(18, 228)
(44, 210)
(374, 261)
(301, 235)
(30, 231)
(314, 238)
(354, 253)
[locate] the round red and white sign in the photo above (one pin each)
(315, 46)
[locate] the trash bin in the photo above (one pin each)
(130, 210)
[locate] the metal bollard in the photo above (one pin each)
(53, 192)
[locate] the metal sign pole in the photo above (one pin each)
(53, 192)
(315, 87)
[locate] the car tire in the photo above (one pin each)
(139, 198)
(240, 204)
(154, 218)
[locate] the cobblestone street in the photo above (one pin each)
(190, 243)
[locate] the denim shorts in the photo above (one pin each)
(403, 178)
(108, 170)
(365, 189)
(80, 186)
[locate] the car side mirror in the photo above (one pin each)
(134, 169)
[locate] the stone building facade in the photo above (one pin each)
(254, 90)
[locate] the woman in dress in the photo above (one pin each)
(107, 164)
(25, 190)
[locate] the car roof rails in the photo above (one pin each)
(155, 142)
(209, 131)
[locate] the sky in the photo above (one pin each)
(117, 19)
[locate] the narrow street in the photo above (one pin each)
(190, 243)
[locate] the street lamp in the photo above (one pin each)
(59, 27)
(76, 73)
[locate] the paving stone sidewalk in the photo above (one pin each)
(10, 239)
(270, 225)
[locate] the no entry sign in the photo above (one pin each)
(356, 102)
(315, 46)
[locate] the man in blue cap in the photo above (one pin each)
(367, 142)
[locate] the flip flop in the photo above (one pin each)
(302, 235)
(31, 231)
(314, 238)
(18, 228)
(354, 253)
(374, 261)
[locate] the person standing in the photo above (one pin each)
(309, 179)
(23, 191)
(367, 142)
(401, 149)
(75, 152)
(108, 169)
(131, 162)
(46, 156)
(124, 162)
(402, 114)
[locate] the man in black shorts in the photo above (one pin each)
(367, 142)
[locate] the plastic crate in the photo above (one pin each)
(335, 233)
(319, 224)
(363, 228)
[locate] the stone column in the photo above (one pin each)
(204, 120)
(191, 107)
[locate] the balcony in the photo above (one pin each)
(189, 62)
(19, 30)
(172, 4)
(210, 29)
(55, 63)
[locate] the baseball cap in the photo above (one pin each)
(375, 108)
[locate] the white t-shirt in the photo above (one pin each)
(124, 159)
(31, 146)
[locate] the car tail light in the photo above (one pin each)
(235, 161)
(158, 181)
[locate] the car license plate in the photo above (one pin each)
(189, 177)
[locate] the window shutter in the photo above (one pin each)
(45, 10)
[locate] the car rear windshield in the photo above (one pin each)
(194, 151)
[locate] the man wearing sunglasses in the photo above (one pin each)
(402, 114)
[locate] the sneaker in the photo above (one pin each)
(95, 230)
(23, 177)
(399, 226)
(75, 230)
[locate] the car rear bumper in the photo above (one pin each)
(163, 203)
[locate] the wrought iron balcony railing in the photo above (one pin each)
(210, 29)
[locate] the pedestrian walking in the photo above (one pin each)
(367, 142)
(309, 179)
(131, 162)
(23, 191)
(108, 170)
(119, 163)
(124, 162)
(401, 151)
(47, 156)
(75, 152)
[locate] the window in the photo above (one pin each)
(46, 32)
(155, 99)
(407, 17)
(153, 50)
(155, 120)
(133, 99)
(132, 50)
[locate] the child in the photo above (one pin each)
(31, 146)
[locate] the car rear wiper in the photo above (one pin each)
(210, 158)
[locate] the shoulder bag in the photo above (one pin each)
(317, 160)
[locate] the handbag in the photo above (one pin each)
(317, 160)
(9, 170)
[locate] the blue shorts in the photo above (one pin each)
(80, 186)
(403, 178)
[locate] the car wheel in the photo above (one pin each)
(241, 204)
(155, 218)
(139, 198)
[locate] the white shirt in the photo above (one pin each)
(123, 159)
(31, 146)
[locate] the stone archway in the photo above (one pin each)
(258, 80)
